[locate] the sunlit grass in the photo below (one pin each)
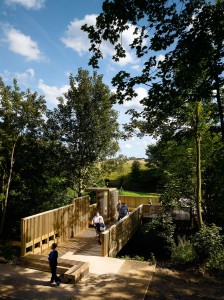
(126, 169)
(136, 194)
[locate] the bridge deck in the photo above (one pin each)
(108, 278)
(84, 243)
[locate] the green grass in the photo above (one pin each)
(136, 194)
(126, 169)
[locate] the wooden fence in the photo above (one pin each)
(134, 202)
(38, 232)
(115, 238)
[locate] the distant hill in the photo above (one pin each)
(127, 168)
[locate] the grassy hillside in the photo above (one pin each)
(126, 169)
(145, 181)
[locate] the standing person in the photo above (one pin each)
(118, 205)
(123, 211)
(53, 261)
(95, 220)
(100, 226)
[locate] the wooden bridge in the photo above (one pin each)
(69, 227)
(78, 248)
(82, 255)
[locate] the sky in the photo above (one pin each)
(41, 43)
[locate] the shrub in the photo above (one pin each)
(182, 253)
(207, 242)
(136, 257)
(216, 263)
(152, 259)
(159, 235)
(8, 251)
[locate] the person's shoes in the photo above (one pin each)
(99, 243)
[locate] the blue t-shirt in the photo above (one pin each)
(53, 257)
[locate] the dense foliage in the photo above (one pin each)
(185, 88)
(184, 105)
(84, 129)
(154, 238)
(48, 157)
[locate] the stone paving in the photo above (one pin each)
(108, 278)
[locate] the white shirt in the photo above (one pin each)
(96, 219)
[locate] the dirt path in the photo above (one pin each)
(165, 284)
(170, 284)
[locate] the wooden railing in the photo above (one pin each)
(92, 212)
(152, 209)
(115, 238)
(134, 202)
(38, 232)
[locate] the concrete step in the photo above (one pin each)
(77, 272)
(72, 270)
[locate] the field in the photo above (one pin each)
(136, 194)
(127, 169)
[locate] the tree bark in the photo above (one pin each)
(198, 167)
(219, 102)
(6, 190)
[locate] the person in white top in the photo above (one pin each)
(96, 220)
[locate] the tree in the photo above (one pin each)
(177, 171)
(21, 116)
(135, 170)
(85, 128)
(186, 77)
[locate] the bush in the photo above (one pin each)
(216, 263)
(159, 235)
(136, 257)
(8, 251)
(182, 253)
(207, 242)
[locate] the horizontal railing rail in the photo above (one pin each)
(114, 239)
(39, 231)
(134, 201)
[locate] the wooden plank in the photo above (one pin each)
(54, 226)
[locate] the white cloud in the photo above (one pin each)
(136, 147)
(28, 74)
(128, 146)
(128, 59)
(136, 67)
(52, 92)
(22, 78)
(77, 40)
(28, 4)
(6, 75)
(161, 57)
(135, 102)
(22, 44)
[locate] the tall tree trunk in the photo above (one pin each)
(5, 190)
(219, 102)
(198, 166)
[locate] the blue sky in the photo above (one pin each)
(41, 44)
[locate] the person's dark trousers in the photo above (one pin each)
(53, 273)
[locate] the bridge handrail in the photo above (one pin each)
(39, 231)
(135, 201)
(114, 239)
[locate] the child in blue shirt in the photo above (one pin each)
(53, 261)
